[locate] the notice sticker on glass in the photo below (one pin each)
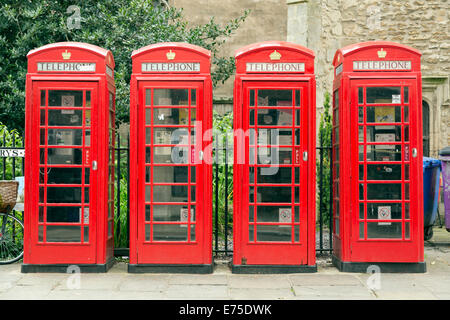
(67, 101)
(396, 98)
(384, 213)
(285, 215)
(85, 215)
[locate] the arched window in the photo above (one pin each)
(426, 128)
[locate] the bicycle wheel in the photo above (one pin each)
(11, 238)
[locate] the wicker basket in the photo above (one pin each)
(8, 195)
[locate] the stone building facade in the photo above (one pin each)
(326, 25)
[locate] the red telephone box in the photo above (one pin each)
(377, 164)
(274, 168)
(171, 178)
(69, 159)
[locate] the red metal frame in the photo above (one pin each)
(351, 151)
(300, 250)
(98, 249)
(148, 252)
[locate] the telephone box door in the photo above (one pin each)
(64, 115)
(385, 162)
(171, 219)
(274, 216)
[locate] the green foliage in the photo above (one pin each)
(118, 25)
(323, 174)
(9, 139)
(223, 129)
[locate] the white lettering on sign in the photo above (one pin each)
(339, 69)
(381, 65)
(66, 66)
(275, 67)
(171, 67)
(12, 153)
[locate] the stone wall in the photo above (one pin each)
(266, 21)
(422, 24)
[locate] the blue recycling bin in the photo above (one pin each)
(431, 175)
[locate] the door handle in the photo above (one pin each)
(414, 152)
(305, 155)
(94, 165)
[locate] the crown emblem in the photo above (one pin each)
(275, 55)
(381, 53)
(66, 55)
(170, 55)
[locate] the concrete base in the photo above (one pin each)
(385, 267)
(62, 268)
(265, 269)
(171, 268)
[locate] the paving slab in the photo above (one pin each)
(261, 293)
(341, 292)
(34, 292)
(324, 280)
(184, 292)
(148, 282)
(189, 279)
(259, 281)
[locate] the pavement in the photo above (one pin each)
(327, 284)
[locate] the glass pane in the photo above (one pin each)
(384, 152)
(64, 214)
(148, 97)
(406, 210)
(274, 117)
(406, 94)
(192, 232)
(65, 98)
(170, 136)
(147, 213)
(405, 114)
(87, 138)
(86, 175)
(64, 195)
(147, 232)
(169, 232)
(62, 175)
(361, 230)
(361, 211)
(251, 213)
(274, 97)
(41, 214)
(384, 134)
(176, 155)
(172, 116)
(65, 137)
(88, 99)
(42, 117)
(65, 117)
(297, 98)
(383, 95)
(384, 191)
(361, 114)
(251, 236)
(252, 98)
(274, 175)
(407, 236)
(193, 97)
(384, 230)
(42, 98)
(273, 233)
(172, 213)
(274, 194)
(274, 137)
(170, 174)
(384, 172)
(63, 234)
(360, 95)
(86, 234)
(296, 233)
(268, 155)
(170, 193)
(384, 211)
(274, 214)
(384, 114)
(87, 115)
(41, 233)
(170, 97)
(64, 156)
